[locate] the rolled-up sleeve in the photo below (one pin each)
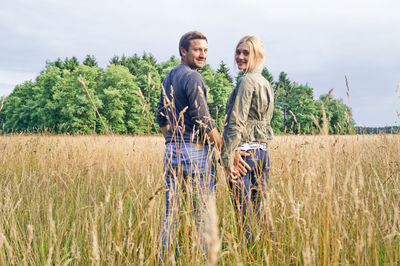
(236, 127)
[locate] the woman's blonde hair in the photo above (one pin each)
(256, 52)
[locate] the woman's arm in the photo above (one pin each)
(236, 127)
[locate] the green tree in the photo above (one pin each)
(301, 108)
(224, 70)
(127, 92)
(131, 63)
(115, 60)
(208, 74)
(338, 114)
(17, 108)
(149, 58)
(48, 109)
(59, 64)
(90, 60)
(277, 118)
(167, 66)
(268, 76)
(220, 88)
(122, 107)
(149, 82)
(277, 121)
(145, 69)
(35, 106)
(75, 110)
(71, 64)
(282, 90)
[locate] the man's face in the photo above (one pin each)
(196, 55)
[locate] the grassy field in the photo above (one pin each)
(76, 200)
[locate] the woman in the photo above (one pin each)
(247, 131)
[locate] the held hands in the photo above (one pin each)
(231, 174)
(240, 166)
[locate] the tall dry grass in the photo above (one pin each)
(74, 200)
(2, 102)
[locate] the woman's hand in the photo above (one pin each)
(240, 167)
(239, 164)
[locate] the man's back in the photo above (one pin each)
(183, 106)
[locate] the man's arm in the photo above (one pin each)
(216, 139)
(195, 89)
(161, 113)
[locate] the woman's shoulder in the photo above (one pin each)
(248, 77)
(253, 78)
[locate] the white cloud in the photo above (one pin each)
(364, 113)
(15, 77)
(313, 41)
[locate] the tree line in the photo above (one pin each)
(378, 130)
(126, 93)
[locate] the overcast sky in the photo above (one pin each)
(316, 42)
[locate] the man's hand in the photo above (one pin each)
(164, 130)
(231, 175)
(216, 139)
(239, 164)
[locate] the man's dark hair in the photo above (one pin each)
(191, 35)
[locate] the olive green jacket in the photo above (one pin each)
(248, 114)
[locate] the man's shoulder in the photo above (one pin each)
(174, 70)
(190, 76)
(190, 73)
(184, 70)
(195, 75)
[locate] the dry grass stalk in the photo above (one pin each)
(326, 97)
(2, 103)
(294, 117)
(80, 80)
(3, 241)
(325, 123)
(149, 88)
(155, 194)
(95, 243)
(316, 123)
(347, 86)
(349, 125)
(140, 94)
(30, 238)
(324, 129)
(277, 91)
(53, 235)
(212, 236)
(295, 120)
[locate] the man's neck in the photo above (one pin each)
(194, 69)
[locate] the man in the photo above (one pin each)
(190, 135)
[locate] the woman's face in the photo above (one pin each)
(242, 56)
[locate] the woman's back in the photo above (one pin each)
(249, 109)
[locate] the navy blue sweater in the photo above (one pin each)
(183, 106)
